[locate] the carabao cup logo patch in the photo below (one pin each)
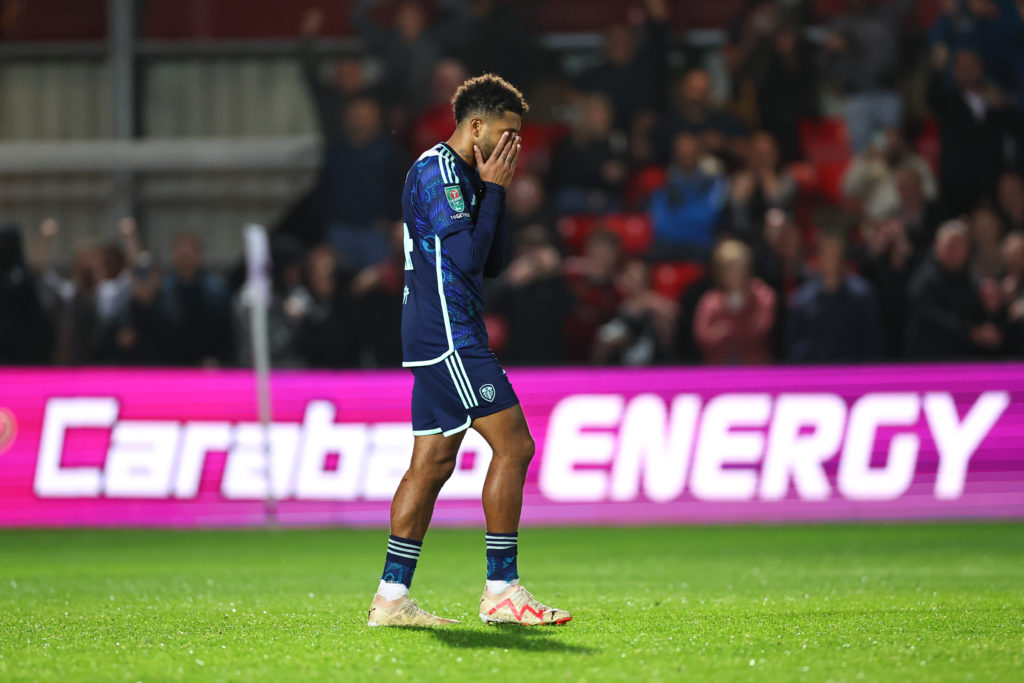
(8, 429)
(487, 391)
(454, 195)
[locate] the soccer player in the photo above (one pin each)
(453, 206)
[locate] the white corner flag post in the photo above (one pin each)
(257, 261)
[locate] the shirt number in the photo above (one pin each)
(408, 246)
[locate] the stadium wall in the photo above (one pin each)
(182, 448)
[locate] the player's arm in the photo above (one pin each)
(470, 249)
(498, 255)
(498, 171)
(439, 191)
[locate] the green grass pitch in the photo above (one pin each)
(815, 603)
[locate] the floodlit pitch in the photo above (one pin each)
(896, 602)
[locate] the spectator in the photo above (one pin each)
(195, 308)
(733, 322)
(71, 305)
(760, 185)
(497, 40)
(971, 131)
(535, 299)
(917, 215)
(778, 255)
(360, 178)
(409, 51)
(138, 334)
(992, 28)
(687, 210)
(641, 332)
(747, 51)
(986, 244)
(1012, 286)
(592, 280)
(686, 348)
(963, 25)
(377, 300)
(289, 303)
(25, 331)
(946, 318)
(631, 75)
(888, 261)
(114, 290)
(835, 316)
(871, 177)
(99, 289)
(588, 169)
(785, 81)
(1010, 196)
(328, 336)
(1013, 267)
(527, 204)
(778, 261)
(329, 98)
(864, 50)
(720, 133)
(435, 123)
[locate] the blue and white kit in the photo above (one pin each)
(454, 236)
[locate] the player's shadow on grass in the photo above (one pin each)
(510, 636)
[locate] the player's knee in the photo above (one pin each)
(445, 470)
(525, 449)
(435, 470)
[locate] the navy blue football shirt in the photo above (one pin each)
(451, 217)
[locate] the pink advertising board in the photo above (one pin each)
(95, 447)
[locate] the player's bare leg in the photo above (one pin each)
(504, 600)
(433, 461)
(509, 438)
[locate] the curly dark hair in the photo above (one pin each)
(489, 95)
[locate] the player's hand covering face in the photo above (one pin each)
(500, 164)
(488, 131)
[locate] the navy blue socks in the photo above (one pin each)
(501, 556)
(400, 562)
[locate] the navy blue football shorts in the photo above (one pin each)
(447, 396)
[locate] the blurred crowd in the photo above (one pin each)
(669, 207)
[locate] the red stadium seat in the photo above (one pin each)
(826, 145)
(574, 231)
(634, 231)
(923, 14)
(825, 139)
(538, 141)
(671, 280)
(718, 14)
(830, 178)
(643, 184)
(828, 9)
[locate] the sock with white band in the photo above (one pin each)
(502, 549)
(399, 565)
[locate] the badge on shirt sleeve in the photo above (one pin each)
(454, 195)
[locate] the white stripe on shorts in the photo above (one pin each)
(455, 380)
(465, 377)
(460, 373)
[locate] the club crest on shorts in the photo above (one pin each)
(454, 195)
(487, 391)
